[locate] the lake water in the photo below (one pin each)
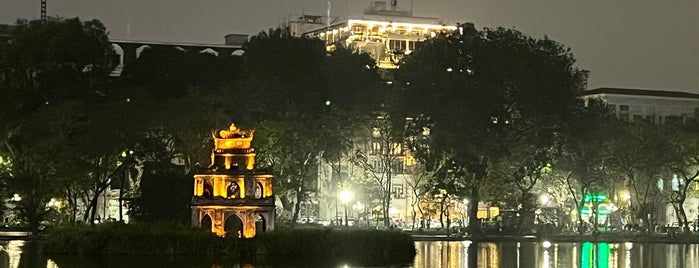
(433, 254)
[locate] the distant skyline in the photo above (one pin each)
(646, 44)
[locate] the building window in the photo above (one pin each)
(637, 118)
(650, 119)
(375, 147)
(396, 149)
(233, 190)
(396, 45)
(624, 112)
(673, 119)
(397, 167)
(376, 164)
(358, 29)
(398, 191)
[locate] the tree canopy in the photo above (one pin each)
(488, 92)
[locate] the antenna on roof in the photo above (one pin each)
(328, 18)
(43, 11)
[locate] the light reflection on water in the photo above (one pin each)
(450, 254)
(432, 254)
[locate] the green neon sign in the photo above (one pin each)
(597, 198)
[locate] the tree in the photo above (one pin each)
(684, 165)
(420, 178)
(483, 89)
(584, 163)
(640, 152)
(163, 195)
(49, 72)
(383, 153)
(171, 72)
(293, 157)
(536, 147)
(57, 60)
(353, 93)
(306, 100)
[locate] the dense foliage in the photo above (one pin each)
(312, 246)
(497, 102)
(493, 115)
(120, 238)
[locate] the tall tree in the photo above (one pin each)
(50, 71)
(640, 152)
(484, 91)
(584, 163)
(684, 165)
(306, 99)
(381, 157)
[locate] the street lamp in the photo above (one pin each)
(626, 195)
(345, 197)
(544, 199)
(464, 215)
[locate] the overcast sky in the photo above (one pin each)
(649, 44)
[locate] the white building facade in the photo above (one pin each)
(657, 107)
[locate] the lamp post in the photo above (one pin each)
(345, 197)
(464, 214)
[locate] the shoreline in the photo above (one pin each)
(662, 238)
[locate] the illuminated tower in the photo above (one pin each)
(231, 197)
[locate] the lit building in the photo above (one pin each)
(231, 197)
(385, 34)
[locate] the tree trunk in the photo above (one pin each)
(414, 215)
(92, 208)
(442, 209)
(297, 205)
(474, 225)
(387, 200)
(386, 206)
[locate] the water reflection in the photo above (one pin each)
(446, 254)
(437, 254)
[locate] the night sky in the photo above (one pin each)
(649, 44)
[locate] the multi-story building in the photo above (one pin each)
(655, 106)
(387, 34)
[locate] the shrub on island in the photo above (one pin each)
(301, 246)
(117, 238)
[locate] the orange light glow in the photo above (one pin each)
(232, 148)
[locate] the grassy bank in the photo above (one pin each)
(313, 246)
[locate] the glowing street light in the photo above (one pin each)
(626, 195)
(54, 203)
(345, 197)
(544, 199)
